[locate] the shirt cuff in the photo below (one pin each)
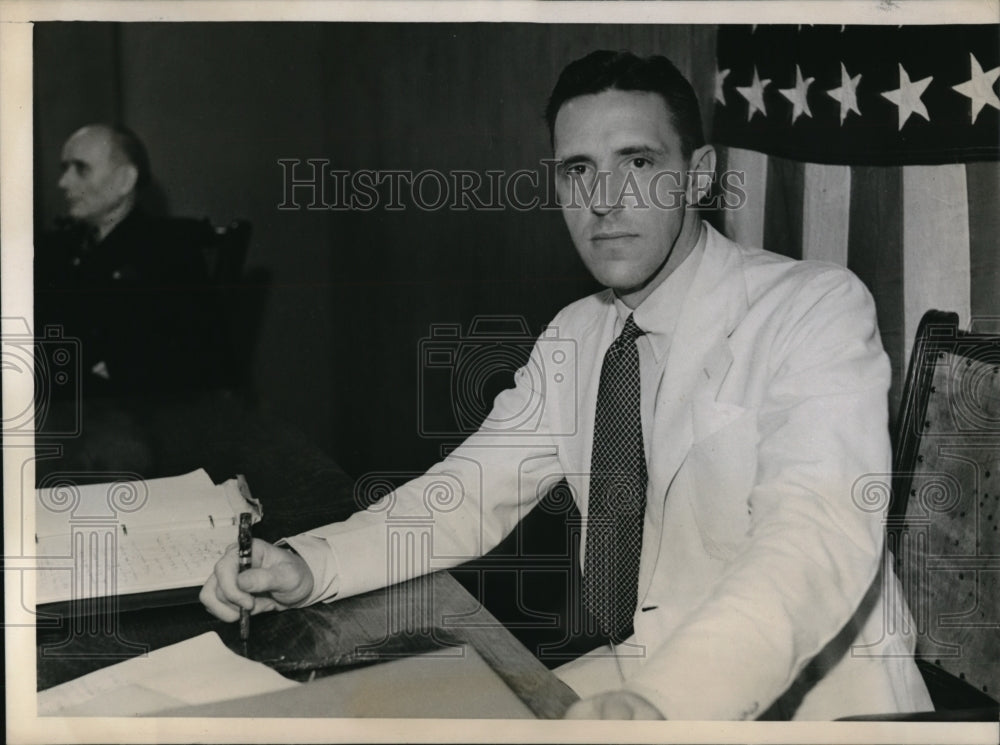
(322, 562)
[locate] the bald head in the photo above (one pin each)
(102, 169)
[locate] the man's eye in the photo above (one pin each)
(640, 162)
(577, 169)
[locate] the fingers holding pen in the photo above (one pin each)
(226, 591)
(292, 580)
(221, 594)
(277, 578)
(216, 603)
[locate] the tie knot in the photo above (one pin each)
(631, 332)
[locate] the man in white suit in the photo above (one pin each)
(755, 410)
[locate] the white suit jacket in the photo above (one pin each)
(763, 586)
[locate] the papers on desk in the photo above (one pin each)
(450, 683)
(121, 538)
(197, 671)
(200, 677)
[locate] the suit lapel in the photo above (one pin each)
(697, 363)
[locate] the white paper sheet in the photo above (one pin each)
(196, 671)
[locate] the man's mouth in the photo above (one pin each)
(611, 235)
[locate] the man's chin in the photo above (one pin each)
(628, 289)
(622, 285)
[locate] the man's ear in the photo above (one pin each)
(701, 173)
(128, 178)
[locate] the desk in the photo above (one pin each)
(386, 624)
(299, 487)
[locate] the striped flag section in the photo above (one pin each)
(746, 224)
(920, 237)
(876, 148)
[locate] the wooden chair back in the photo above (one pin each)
(946, 505)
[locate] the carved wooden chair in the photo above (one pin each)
(942, 522)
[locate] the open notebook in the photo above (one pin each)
(134, 537)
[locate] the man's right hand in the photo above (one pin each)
(278, 579)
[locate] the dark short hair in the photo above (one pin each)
(130, 146)
(606, 70)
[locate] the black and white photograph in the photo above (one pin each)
(415, 371)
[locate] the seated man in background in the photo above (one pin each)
(726, 405)
(132, 289)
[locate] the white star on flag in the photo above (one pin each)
(720, 76)
(797, 95)
(979, 87)
(847, 93)
(754, 94)
(907, 97)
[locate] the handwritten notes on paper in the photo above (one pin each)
(122, 538)
(144, 563)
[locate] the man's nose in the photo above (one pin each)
(64, 180)
(608, 196)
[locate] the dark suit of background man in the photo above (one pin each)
(132, 289)
(716, 412)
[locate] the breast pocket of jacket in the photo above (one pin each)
(723, 463)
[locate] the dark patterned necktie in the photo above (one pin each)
(617, 501)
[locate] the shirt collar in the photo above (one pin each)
(657, 315)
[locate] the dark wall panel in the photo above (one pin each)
(219, 105)
(76, 81)
(449, 96)
(354, 292)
